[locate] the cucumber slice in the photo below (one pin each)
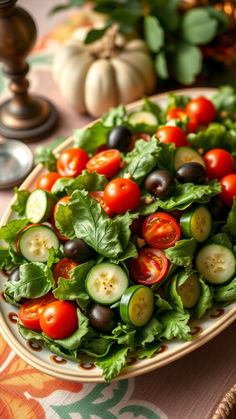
(217, 263)
(137, 305)
(106, 282)
(142, 117)
(190, 290)
(186, 155)
(39, 205)
(196, 223)
(35, 241)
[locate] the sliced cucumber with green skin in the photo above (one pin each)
(217, 263)
(106, 282)
(39, 205)
(190, 290)
(137, 305)
(186, 155)
(142, 117)
(35, 241)
(196, 223)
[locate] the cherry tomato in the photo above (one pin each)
(62, 201)
(122, 195)
(179, 113)
(30, 311)
(219, 163)
(160, 230)
(228, 193)
(99, 196)
(102, 147)
(47, 181)
(203, 109)
(59, 320)
(71, 162)
(175, 135)
(106, 163)
(150, 267)
(63, 268)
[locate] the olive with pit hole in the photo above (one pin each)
(78, 251)
(101, 318)
(160, 183)
(119, 137)
(191, 172)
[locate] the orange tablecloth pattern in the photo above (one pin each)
(190, 388)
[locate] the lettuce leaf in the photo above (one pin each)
(35, 281)
(141, 160)
(177, 101)
(175, 325)
(22, 196)
(10, 231)
(113, 362)
(225, 293)
(230, 226)
(148, 351)
(64, 221)
(46, 155)
(97, 347)
(115, 116)
(183, 196)
(225, 100)
(92, 225)
(5, 259)
(214, 136)
(150, 332)
(149, 106)
(91, 138)
(205, 300)
(182, 253)
(162, 304)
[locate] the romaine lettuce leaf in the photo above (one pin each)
(225, 100)
(230, 226)
(64, 221)
(10, 231)
(205, 300)
(22, 196)
(214, 136)
(115, 116)
(182, 253)
(150, 332)
(91, 138)
(225, 293)
(113, 362)
(46, 155)
(175, 325)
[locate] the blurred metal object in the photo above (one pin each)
(24, 117)
(16, 161)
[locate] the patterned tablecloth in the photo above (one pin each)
(190, 388)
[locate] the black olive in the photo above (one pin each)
(119, 137)
(14, 275)
(78, 251)
(191, 172)
(160, 183)
(101, 318)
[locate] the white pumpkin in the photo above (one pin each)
(92, 78)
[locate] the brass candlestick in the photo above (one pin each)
(24, 117)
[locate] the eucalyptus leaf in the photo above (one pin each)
(186, 62)
(198, 27)
(153, 33)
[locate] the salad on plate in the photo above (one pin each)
(130, 234)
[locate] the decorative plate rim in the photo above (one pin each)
(145, 365)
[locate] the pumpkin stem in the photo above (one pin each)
(106, 46)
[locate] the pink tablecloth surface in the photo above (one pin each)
(189, 388)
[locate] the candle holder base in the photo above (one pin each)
(32, 128)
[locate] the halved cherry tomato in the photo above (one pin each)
(99, 196)
(203, 109)
(30, 311)
(59, 320)
(180, 113)
(106, 163)
(122, 195)
(169, 134)
(47, 181)
(228, 193)
(160, 230)
(150, 267)
(219, 163)
(62, 201)
(71, 162)
(63, 268)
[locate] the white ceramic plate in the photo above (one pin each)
(213, 323)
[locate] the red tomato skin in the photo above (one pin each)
(71, 162)
(99, 196)
(138, 136)
(106, 163)
(63, 268)
(203, 109)
(180, 113)
(219, 163)
(169, 134)
(160, 230)
(122, 195)
(59, 320)
(150, 267)
(47, 181)
(30, 311)
(228, 193)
